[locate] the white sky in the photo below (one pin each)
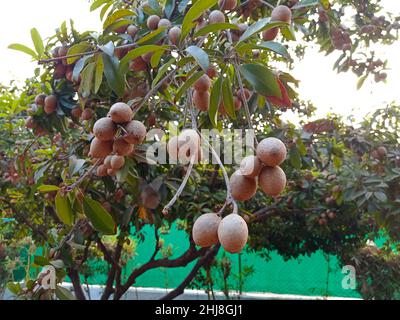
(319, 83)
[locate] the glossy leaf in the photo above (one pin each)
(77, 48)
(227, 95)
(262, 79)
(117, 15)
(210, 28)
(115, 78)
(98, 73)
(214, 101)
(24, 49)
(37, 41)
(98, 216)
(188, 84)
(200, 56)
(64, 209)
(259, 26)
(47, 188)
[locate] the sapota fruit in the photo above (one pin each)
(120, 112)
(243, 188)
(272, 180)
(205, 230)
(250, 166)
(100, 149)
(233, 233)
(271, 151)
(135, 132)
(104, 129)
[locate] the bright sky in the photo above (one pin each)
(319, 83)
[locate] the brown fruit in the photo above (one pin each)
(120, 112)
(203, 83)
(29, 123)
(50, 104)
(281, 13)
(205, 230)
(227, 4)
(147, 56)
(174, 35)
(250, 166)
(382, 152)
(62, 51)
(39, 99)
(59, 71)
(87, 114)
(121, 29)
(112, 172)
(212, 72)
(243, 94)
(101, 171)
(121, 147)
(100, 149)
(233, 233)
(152, 22)
(104, 129)
(117, 162)
(242, 187)
(272, 180)
(135, 132)
(150, 198)
(201, 100)
(164, 23)
(237, 103)
(270, 34)
(137, 65)
(76, 112)
(216, 16)
(271, 151)
(107, 161)
(107, 206)
(132, 30)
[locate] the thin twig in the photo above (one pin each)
(267, 4)
(83, 177)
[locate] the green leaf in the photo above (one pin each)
(169, 8)
(37, 42)
(98, 73)
(295, 158)
(227, 95)
(195, 11)
(64, 209)
(163, 69)
(156, 58)
(140, 51)
(200, 56)
(288, 33)
(260, 25)
(214, 101)
(306, 3)
(104, 10)
(214, 28)
(98, 216)
(115, 78)
(97, 4)
(77, 48)
(152, 36)
(275, 47)
(262, 79)
(361, 81)
(87, 75)
(14, 287)
(24, 49)
(380, 196)
(47, 188)
(40, 261)
(117, 15)
(188, 83)
(64, 294)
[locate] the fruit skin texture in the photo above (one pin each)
(281, 13)
(120, 112)
(50, 104)
(272, 180)
(117, 162)
(76, 112)
(164, 23)
(242, 187)
(201, 100)
(100, 149)
(270, 34)
(203, 83)
(87, 114)
(101, 171)
(382, 152)
(122, 148)
(250, 166)
(227, 4)
(152, 22)
(205, 230)
(136, 132)
(216, 16)
(132, 30)
(107, 162)
(104, 129)
(233, 233)
(39, 99)
(174, 34)
(137, 65)
(271, 151)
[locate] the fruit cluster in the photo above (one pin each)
(280, 13)
(115, 137)
(231, 231)
(262, 169)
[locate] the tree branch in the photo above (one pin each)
(76, 283)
